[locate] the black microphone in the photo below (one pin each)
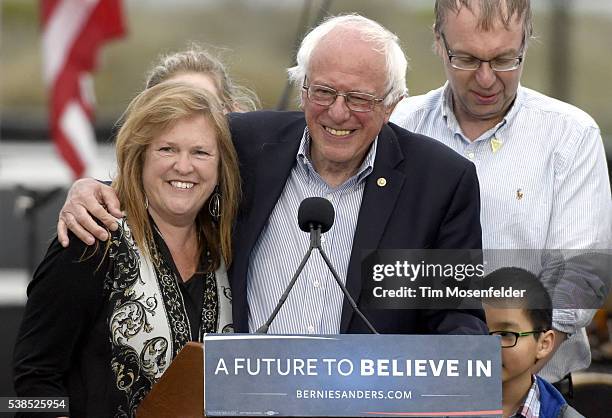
(316, 216)
(316, 212)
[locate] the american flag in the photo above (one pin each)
(73, 33)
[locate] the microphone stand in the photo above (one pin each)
(264, 328)
(315, 243)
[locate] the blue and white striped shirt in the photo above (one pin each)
(544, 185)
(315, 303)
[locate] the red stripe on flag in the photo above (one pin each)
(104, 24)
(46, 8)
(68, 152)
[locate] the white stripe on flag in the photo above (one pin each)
(64, 25)
(77, 127)
(87, 90)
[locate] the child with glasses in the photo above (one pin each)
(524, 326)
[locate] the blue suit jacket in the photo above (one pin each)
(431, 200)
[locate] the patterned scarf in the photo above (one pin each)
(148, 323)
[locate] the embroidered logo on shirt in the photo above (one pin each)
(519, 194)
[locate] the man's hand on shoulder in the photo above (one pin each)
(88, 199)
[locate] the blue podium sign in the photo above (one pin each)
(352, 375)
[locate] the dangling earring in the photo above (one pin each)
(214, 204)
(146, 203)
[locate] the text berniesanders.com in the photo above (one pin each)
(352, 394)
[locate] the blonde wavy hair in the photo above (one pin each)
(151, 112)
(197, 60)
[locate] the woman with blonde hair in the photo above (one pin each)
(201, 68)
(101, 325)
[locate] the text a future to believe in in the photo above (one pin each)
(348, 367)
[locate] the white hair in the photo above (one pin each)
(384, 42)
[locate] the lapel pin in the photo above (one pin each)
(519, 194)
(382, 182)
